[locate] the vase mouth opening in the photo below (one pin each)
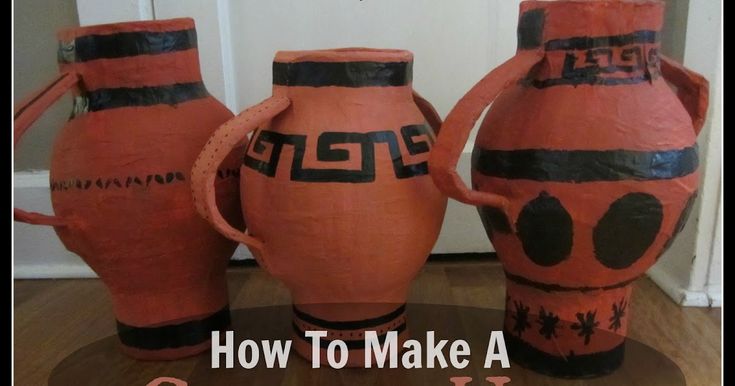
(164, 25)
(349, 54)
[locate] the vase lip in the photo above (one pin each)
(348, 54)
(533, 4)
(161, 25)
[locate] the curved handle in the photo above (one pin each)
(215, 151)
(456, 129)
(692, 90)
(429, 112)
(27, 112)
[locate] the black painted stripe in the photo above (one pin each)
(585, 165)
(353, 344)
(343, 74)
(592, 80)
(571, 366)
(560, 288)
(174, 335)
(110, 98)
(350, 325)
(126, 44)
(531, 29)
(588, 42)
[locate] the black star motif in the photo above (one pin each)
(548, 322)
(521, 318)
(618, 314)
(586, 325)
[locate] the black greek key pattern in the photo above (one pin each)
(603, 60)
(326, 153)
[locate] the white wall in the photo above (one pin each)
(691, 271)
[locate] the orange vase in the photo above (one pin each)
(584, 170)
(120, 175)
(339, 202)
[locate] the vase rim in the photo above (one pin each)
(348, 54)
(594, 1)
(162, 25)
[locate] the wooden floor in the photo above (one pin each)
(53, 318)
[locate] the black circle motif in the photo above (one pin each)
(545, 230)
(627, 229)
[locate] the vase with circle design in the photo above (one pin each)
(583, 172)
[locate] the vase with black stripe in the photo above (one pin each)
(119, 180)
(335, 189)
(583, 172)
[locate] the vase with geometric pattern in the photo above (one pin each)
(335, 189)
(584, 170)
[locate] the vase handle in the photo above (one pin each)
(220, 144)
(24, 115)
(458, 124)
(429, 112)
(691, 88)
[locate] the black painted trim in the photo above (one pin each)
(125, 44)
(343, 74)
(573, 366)
(531, 29)
(174, 335)
(350, 325)
(592, 81)
(585, 165)
(559, 288)
(588, 42)
(355, 344)
(110, 98)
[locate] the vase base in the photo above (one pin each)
(172, 340)
(572, 367)
(351, 332)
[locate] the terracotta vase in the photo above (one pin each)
(339, 202)
(119, 180)
(583, 172)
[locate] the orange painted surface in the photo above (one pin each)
(120, 182)
(584, 168)
(327, 210)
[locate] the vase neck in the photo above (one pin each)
(596, 42)
(145, 54)
(357, 69)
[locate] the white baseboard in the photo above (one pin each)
(53, 271)
(683, 296)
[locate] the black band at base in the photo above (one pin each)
(351, 332)
(170, 336)
(352, 344)
(573, 366)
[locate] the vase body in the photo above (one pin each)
(597, 158)
(119, 177)
(338, 191)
